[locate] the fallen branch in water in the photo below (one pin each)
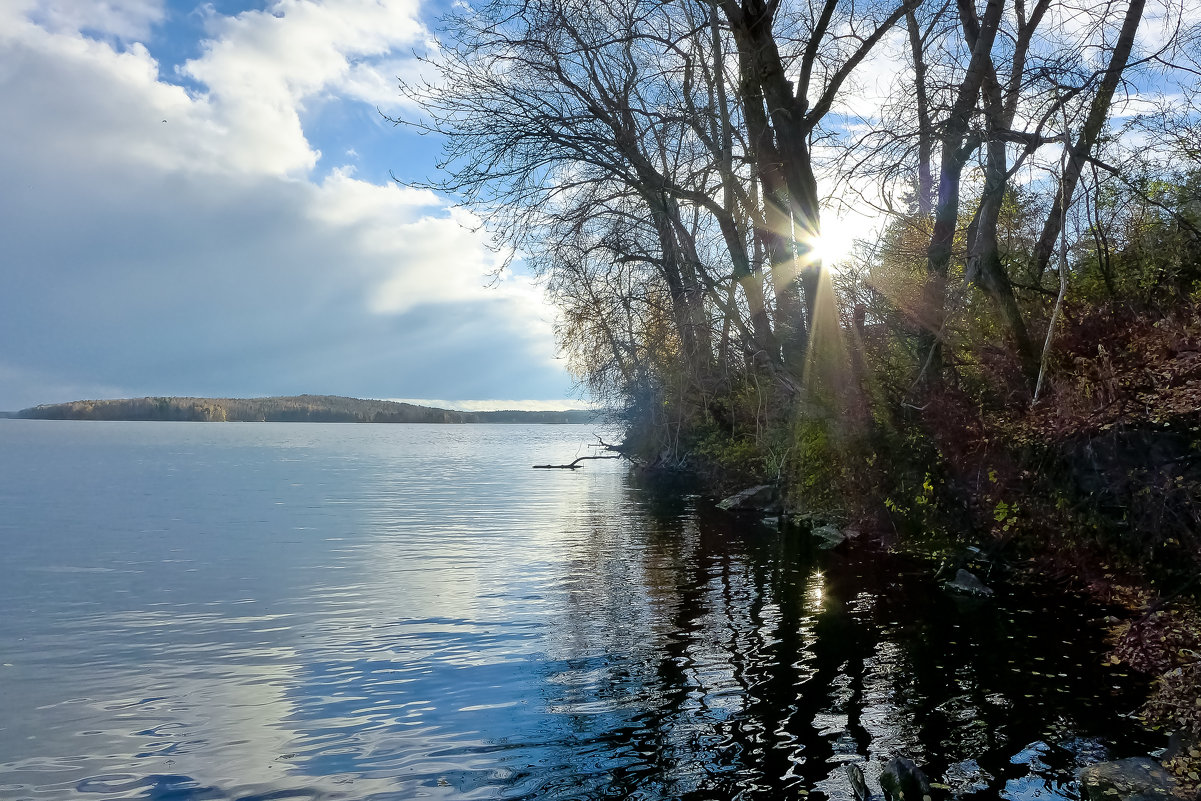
(600, 443)
(575, 465)
(618, 453)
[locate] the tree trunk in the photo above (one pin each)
(957, 148)
(1098, 113)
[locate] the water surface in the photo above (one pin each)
(252, 611)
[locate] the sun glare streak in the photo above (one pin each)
(826, 358)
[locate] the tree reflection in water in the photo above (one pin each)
(706, 656)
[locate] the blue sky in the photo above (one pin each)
(195, 200)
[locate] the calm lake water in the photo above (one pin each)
(277, 611)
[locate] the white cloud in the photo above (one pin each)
(874, 81)
(262, 66)
(123, 19)
(375, 82)
(144, 253)
(416, 251)
(256, 73)
(67, 95)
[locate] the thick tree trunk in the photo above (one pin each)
(957, 148)
(774, 232)
(764, 347)
(781, 150)
(694, 338)
(984, 267)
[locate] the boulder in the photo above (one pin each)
(968, 584)
(754, 499)
(902, 780)
(1135, 779)
(828, 536)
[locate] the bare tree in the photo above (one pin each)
(822, 45)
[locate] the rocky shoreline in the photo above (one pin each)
(1131, 778)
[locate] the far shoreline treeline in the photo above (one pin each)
(294, 409)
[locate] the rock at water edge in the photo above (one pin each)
(903, 780)
(1135, 779)
(757, 498)
(968, 584)
(828, 536)
(858, 783)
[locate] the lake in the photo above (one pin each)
(308, 611)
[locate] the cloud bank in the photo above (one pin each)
(175, 230)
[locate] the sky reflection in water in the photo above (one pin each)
(198, 611)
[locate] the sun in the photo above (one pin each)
(836, 240)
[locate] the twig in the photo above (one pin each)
(600, 443)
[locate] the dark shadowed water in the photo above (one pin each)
(294, 611)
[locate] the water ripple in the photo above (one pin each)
(391, 612)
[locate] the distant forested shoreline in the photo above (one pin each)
(295, 409)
